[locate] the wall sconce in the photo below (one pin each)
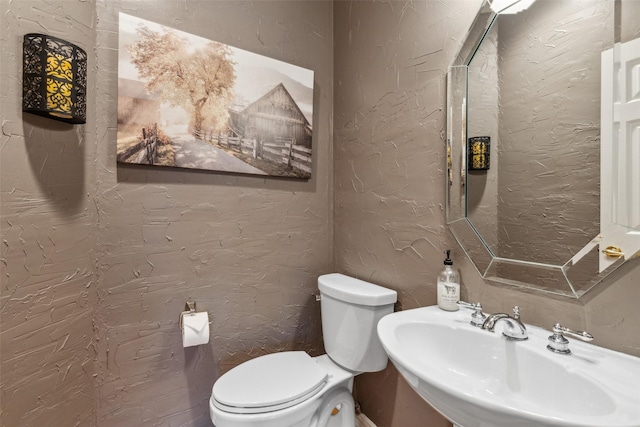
(479, 153)
(54, 79)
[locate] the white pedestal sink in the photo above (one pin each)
(476, 378)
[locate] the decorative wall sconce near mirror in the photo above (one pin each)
(479, 153)
(559, 194)
(54, 79)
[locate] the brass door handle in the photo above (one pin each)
(613, 252)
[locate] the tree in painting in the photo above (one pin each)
(200, 81)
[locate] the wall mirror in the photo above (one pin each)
(543, 142)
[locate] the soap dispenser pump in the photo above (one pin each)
(448, 285)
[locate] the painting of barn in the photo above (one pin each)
(275, 116)
(258, 121)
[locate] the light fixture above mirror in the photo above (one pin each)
(510, 6)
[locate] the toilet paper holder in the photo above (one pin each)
(189, 308)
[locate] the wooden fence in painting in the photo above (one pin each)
(288, 153)
(145, 151)
(282, 150)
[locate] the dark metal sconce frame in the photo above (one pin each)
(54, 82)
(479, 152)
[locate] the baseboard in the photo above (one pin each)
(363, 421)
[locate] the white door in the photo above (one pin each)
(620, 150)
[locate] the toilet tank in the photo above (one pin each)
(351, 309)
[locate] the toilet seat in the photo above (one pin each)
(269, 383)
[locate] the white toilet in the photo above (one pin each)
(292, 389)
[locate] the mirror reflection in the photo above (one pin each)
(524, 144)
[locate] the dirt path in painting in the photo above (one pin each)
(196, 154)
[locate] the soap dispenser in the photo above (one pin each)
(448, 285)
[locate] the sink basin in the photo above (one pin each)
(476, 378)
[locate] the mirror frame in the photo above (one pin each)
(571, 278)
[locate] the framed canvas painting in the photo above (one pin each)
(188, 102)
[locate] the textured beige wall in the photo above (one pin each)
(98, 259)
(246, 249)
(48, 286)
(483, 99)
(629, 26)
(390, 62)
(551, 211)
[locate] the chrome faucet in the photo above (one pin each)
(514, 330)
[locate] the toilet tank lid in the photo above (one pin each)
(355, 291)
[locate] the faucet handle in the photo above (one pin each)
(559, 329)
(559, 344)
(516, 312)
(478, 317)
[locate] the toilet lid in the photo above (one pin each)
(262, 383)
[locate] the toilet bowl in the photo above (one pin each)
(293, 389)
(284, 396)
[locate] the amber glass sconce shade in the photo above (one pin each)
(54, 79)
